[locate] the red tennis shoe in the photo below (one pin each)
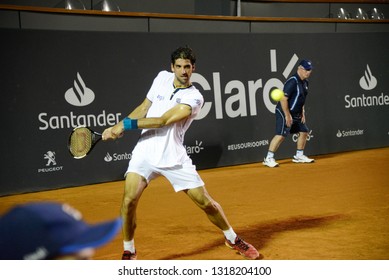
(127, 255)
(245, 249)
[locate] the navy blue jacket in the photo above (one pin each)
(296, 90)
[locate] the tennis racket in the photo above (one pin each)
(82, 140)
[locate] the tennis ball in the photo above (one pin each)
(277, 94)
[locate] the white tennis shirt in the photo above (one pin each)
(163, 147)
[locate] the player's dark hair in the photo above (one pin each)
(183, 53)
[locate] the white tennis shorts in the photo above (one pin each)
(182, 177)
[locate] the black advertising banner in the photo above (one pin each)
(52, 81)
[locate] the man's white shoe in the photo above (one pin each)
(302, 159)
(270, 162)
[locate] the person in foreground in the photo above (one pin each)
(51, 231)
(171, 104)
(290, 115)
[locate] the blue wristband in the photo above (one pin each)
(129, 124)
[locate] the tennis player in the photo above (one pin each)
(164, 116)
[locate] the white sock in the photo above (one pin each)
(230, 235)
(270, 155)
(129, 246)
(299, 153)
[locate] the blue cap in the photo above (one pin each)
(306, 64)
(44, 230)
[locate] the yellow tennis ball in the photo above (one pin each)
(277, 94)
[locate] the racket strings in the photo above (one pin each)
(81, 142)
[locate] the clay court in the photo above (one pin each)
(334, 209)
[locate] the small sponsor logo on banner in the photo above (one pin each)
(117, 157)
(50, 156)
(309, 136)
(196, 149)
(247, 145)
(51, 163)
(348, 133)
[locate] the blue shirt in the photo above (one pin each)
(296, 90)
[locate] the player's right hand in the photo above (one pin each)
(106, 134)
(118, 130)
(113, 132)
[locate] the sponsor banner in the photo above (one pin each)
(52, 81)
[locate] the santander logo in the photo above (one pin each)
(368, 81)
(79, 95)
